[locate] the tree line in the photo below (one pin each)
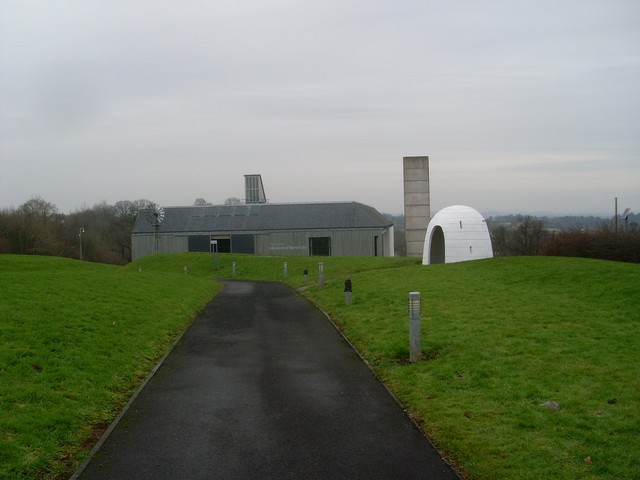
(101, 233)
(570, 236)
(527, 235)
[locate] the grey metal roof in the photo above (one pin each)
(265, 217)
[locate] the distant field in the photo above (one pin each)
(500, 338)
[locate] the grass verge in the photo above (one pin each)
(500, 338)
(75, 341)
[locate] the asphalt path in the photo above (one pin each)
(263, 386)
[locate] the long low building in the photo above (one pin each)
(328, 229)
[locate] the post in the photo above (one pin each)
(233, 270)
(321, 274)
(285, 269)
(347, 291)
(414, 326)
(214, 251)
(306, 275)
(80, 235)
(156, 231)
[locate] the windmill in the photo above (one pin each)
(155, 215)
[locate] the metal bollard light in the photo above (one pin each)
(348, 288)
(233, 270)
(321, 274)
(414, 326)
(285, 269)
(306, 275)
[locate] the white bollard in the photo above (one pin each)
(321, 274)
(414, 326)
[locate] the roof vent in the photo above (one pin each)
(254, 190)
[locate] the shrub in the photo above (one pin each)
(602, 244)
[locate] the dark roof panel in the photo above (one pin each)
(266, 216)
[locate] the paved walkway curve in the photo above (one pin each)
(262, 386)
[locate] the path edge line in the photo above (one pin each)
(125, 409)
(389, 391)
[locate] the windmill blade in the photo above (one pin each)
(148, 213)
(154, 214)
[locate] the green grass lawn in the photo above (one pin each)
(500, 337)
(75, 340)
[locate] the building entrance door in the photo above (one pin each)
(224, 244)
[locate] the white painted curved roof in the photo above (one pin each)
(465, 232)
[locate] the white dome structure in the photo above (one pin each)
(456, 234)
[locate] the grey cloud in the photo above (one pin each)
(221, 88)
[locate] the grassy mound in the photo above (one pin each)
(76, 338)
(500, 338)
(255, 267)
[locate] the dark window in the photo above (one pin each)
(320, 246)
(243, 244)
(199, 243)
(224, 245)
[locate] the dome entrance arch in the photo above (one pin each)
(436, 253)
(456, 234)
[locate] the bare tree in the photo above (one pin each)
(38, 208)
(528, 237)
(200, 202)
(36, 228)
(126, 212)
(103, 232)
(500, 237)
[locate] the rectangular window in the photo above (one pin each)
(243, 243)
(320, 246)
(254, 190)
(199, 243)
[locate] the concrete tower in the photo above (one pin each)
(417, 203)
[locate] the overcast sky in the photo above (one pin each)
(523, 106)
